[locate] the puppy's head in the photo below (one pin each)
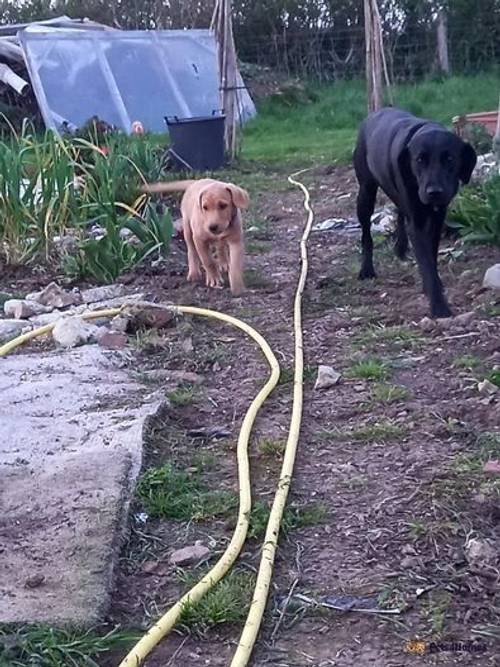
(218, 203)
(439, 161)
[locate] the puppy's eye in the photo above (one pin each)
(222, 206)
(205, 207)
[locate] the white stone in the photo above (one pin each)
(11, 328)
(73, 331)
(327, 377)
(492, 277)
(22, 309)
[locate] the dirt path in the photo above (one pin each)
(389, 484)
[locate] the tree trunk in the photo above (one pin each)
(442, 43)
(374, 55)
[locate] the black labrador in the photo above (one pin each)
(418, 164)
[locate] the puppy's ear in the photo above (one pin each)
(239, 196)
(468, 159)
(404, 165)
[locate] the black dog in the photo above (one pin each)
(418, 164)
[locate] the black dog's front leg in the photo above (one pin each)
(425, 237)
(365, 205)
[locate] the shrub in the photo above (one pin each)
(476, 213)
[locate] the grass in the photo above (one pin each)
(256, 280)
(182, 396)
(168, 493)
(294, 517)
(227, 602)
(379, 334)
(370, 368)
(324, 129)
(287, 375)
(494, 377)
(43, 646)
(388, 393)
(467, 361)
(258, 247)
(381, 431)
(270, 447)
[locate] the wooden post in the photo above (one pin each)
(376, 66)
(442, 42)
(222, 24)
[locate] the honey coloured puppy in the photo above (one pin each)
(211, 220)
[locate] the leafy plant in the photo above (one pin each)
(476, 213)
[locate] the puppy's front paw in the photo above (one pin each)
(194, 275)
(214, 280)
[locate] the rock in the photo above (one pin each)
(22, 309)
(149, 315)
(492, 277)
(113, 340)
(55, 296)
(11, 328)
(327, 377)
(73, 331)
(487, 387)
(180, 377)
(35, 581)
(103, 293)
(480, 553)
(427, 325)
(492, 467)
(409, 562)
(465, 319)
(4, 296)
(47, 318)
(189, 555)
(120, 323)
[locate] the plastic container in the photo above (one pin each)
(197, 144)
(488, 119)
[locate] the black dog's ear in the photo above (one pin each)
(404, 165)
(468, 161)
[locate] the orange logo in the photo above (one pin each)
(417, 647)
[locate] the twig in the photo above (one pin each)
(177, 651)
(385, 612)
(282, 611)
(466, 335)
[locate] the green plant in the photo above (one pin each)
(173, 494)
(370, 368)
(494, 376)
(43, 646)
(381, 431)
(294, 517)
(476, 213)
(389, 393)
(269, 447)
(183, 395)
(227, 602)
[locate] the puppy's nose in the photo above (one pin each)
(214, 229)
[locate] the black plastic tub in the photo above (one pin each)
(197, 144)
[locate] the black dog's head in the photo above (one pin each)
(438, 160)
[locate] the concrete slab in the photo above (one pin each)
(71, 427)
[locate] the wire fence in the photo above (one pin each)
(332, 54)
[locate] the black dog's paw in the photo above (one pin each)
(401, 249)
(440, 312)
(367, 273)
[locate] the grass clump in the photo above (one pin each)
(43, 646)
(389, 393)
(184, 395)
(382, 431)
(169, 493)
(227, 602)
(476, 213)
(269, 447)
(294, 517)
(370, 368)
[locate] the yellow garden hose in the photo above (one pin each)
(265, 573)
(158, 631)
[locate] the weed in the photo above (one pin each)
(173, 494)
(435, 611)
(294, 517)
(287, 375)
(388, 393)
(182, 396)
(467, 361)
(44, 646)
(382, 431)
(370, 368)
(227, 602)
(258, 247)
(494, 376)
(379, 334)
(476, 213)
(269, 447)
(255, 280)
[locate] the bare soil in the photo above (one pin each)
(400, 476)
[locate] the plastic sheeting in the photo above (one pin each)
(122, 77)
